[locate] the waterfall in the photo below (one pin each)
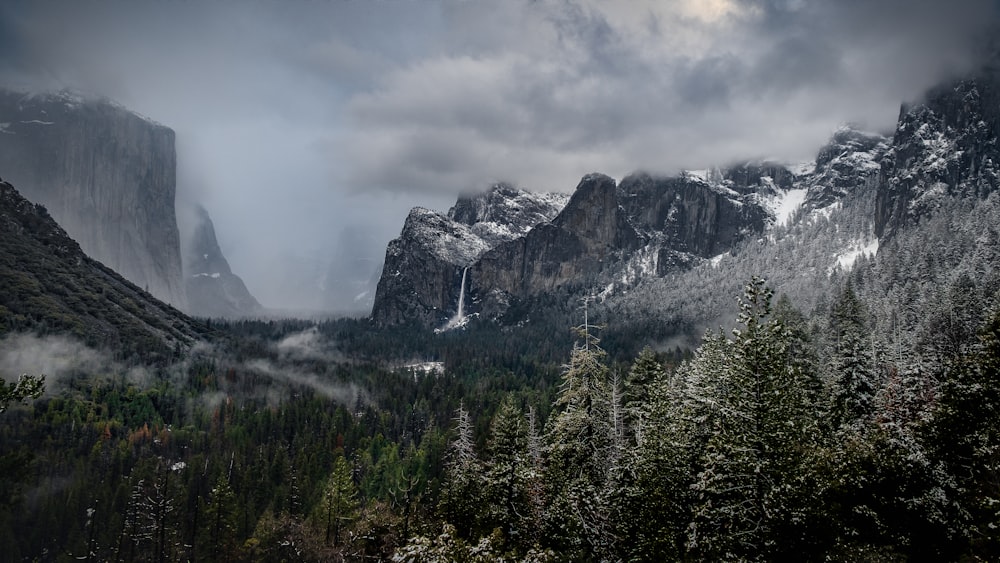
(459, 318)
(460, 315)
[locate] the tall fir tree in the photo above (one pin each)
(754, 458)
(219, 530)
(339, 504)
(645, 371)
(965, 434)
(461, 493)
(507, 475)
(579, 438)
(853, 361)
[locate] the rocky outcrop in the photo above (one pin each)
(591, 231)
(695, 215)
(105, 174)
(608, 240)
(850, 162)
(945, 145)
(605, 234)
(420, 269)
(504, 212)
(751, 177)
(212, 288)
(423, 268)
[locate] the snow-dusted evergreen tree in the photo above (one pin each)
(507, 476)
(220, 521)
(447, 547)
(535, 479)
(965, 435)
(761, 428)
(617, 431)
(134, 533)
(26, 387)
(155, 531)
(461, 493)
(644, 372)
(578, 443)
(854, 365)
(657, 508)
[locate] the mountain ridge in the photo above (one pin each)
(943, 146)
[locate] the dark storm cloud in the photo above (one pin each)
(315, 117)
(662, 89)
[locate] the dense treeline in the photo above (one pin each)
(808, 437)
(278, 457)
(770, 444)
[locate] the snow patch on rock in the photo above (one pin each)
(845, 260)
(784, 204)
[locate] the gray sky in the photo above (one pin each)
(299, 121)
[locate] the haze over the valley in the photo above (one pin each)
(309, 129)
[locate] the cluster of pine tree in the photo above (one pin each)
(788, 440)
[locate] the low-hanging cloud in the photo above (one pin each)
(54, 356)
(308, 344)
(316, 118)
(347, 394)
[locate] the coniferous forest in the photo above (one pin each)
(789, 437)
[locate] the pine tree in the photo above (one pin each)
(853, 365)
(220, 521)
(26, 387)
(965, 435)
(645, 371)
(339, 504)
(761, 428)
(578, 433)
(505, 488)
(155, 506)
(658, 509)
(534, 481)
(461, 492)
(579, 441)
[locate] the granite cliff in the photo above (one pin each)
(105, 174)
(213, 290)
(945, 145)
(422, 275)
(609, 238)
(604, 232)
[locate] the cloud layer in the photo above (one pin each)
(313, 118)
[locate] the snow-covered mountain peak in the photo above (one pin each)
(849, 162)
(504, 212)
(447, 240)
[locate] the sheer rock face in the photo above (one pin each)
(646, 226)
(945, 145)
(418, 276)
(106, 175)
(422, 273)
(689, 214)
(608, 239)
(212, 288)
(852, 161)
(590, 232)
